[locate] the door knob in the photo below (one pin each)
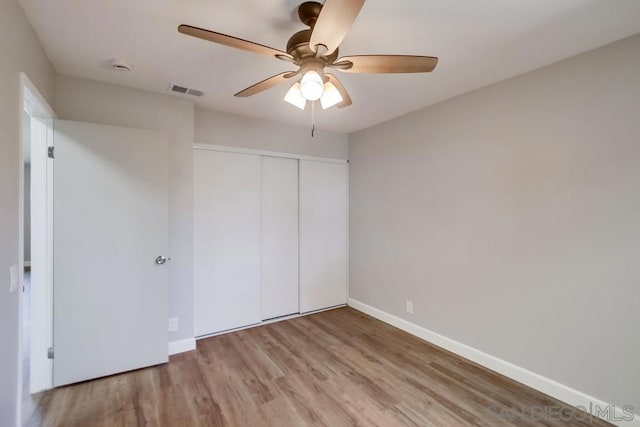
(160, 260)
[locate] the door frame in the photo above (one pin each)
(241, 150)
(32, 101)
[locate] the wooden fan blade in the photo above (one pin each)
(234, 42)
(346, 99)
(334, 21)
(389, 64)
(265, 84)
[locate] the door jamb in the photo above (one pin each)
(32, 101)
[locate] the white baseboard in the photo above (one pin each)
(538, 382)
(182, 346)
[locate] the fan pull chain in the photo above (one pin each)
(313, 118)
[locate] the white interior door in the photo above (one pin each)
(323, 235)
(110, 224)
(226, 241)
(279, 261)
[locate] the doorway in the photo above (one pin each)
(28, 403)
(110, 217)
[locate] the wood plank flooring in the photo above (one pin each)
(336, 368)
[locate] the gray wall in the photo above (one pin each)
(92, 101)
(510, 216)
(213, 127)
(19, 51)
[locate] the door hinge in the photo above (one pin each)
(50, 152)
(50, 353)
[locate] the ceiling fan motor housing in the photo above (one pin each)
(298, 44)
(298, 47)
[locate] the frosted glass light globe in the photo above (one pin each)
(295, 98)
(312, 86)
(331, 96)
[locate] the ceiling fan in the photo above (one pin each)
(315, 49)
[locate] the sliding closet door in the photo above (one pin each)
(323, 235)
(226, 241)
(279, 275)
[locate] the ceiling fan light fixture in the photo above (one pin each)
(313, 50)
(311, 86)
(295, 98)
(331, 96)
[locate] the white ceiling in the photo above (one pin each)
(478, 42)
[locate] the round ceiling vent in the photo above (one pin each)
(120, 65)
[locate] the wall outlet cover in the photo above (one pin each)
(13, 278)
(173, 324)
(410, 307)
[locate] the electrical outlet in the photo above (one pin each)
(173, 324)
(13, 278)
(410, 307)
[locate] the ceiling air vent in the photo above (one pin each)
(185, 90)
(195, 92)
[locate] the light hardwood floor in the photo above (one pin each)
(336, 368)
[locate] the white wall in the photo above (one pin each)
(213, 127)
(510, 216)
(20, 51)
(92, 101)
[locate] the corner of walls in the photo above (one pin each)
(93, 101)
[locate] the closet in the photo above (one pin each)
(270, 236)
